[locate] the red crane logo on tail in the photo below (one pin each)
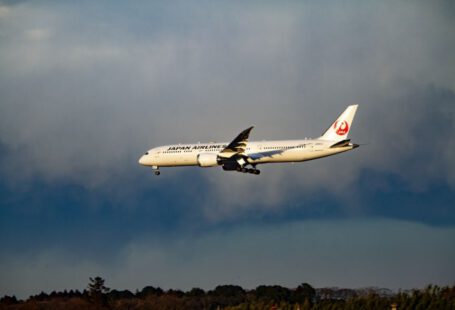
(341, 127)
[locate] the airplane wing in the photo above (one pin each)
(238, 145)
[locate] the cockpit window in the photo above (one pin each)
(146, 153)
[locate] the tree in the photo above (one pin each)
(115, 295)
(273, 293)
(149, 291)
(97, 292)
(227, 295)
(8, 300)
(96, 285)
(196, 292)
(304, 292)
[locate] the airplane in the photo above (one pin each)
(240, 154)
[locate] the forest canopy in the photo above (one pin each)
(98, 296)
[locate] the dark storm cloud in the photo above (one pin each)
(82, 105)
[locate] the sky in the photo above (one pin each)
(87, 87)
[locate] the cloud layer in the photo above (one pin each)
(83, 96)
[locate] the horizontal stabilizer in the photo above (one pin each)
(341, 143)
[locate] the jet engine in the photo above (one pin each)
(207, 160)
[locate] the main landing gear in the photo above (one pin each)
(251, 170)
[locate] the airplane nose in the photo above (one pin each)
(142, 160)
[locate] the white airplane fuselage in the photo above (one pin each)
(258, 152)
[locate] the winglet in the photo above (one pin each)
(339, 129)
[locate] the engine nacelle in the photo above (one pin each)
(207, 160)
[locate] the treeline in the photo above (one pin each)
(233, 297)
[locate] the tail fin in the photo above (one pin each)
(340, 128)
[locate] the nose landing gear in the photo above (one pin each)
(156, 170)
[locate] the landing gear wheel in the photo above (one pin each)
(157, 172)
(252, 171)
(256, 172)
(244, 170)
